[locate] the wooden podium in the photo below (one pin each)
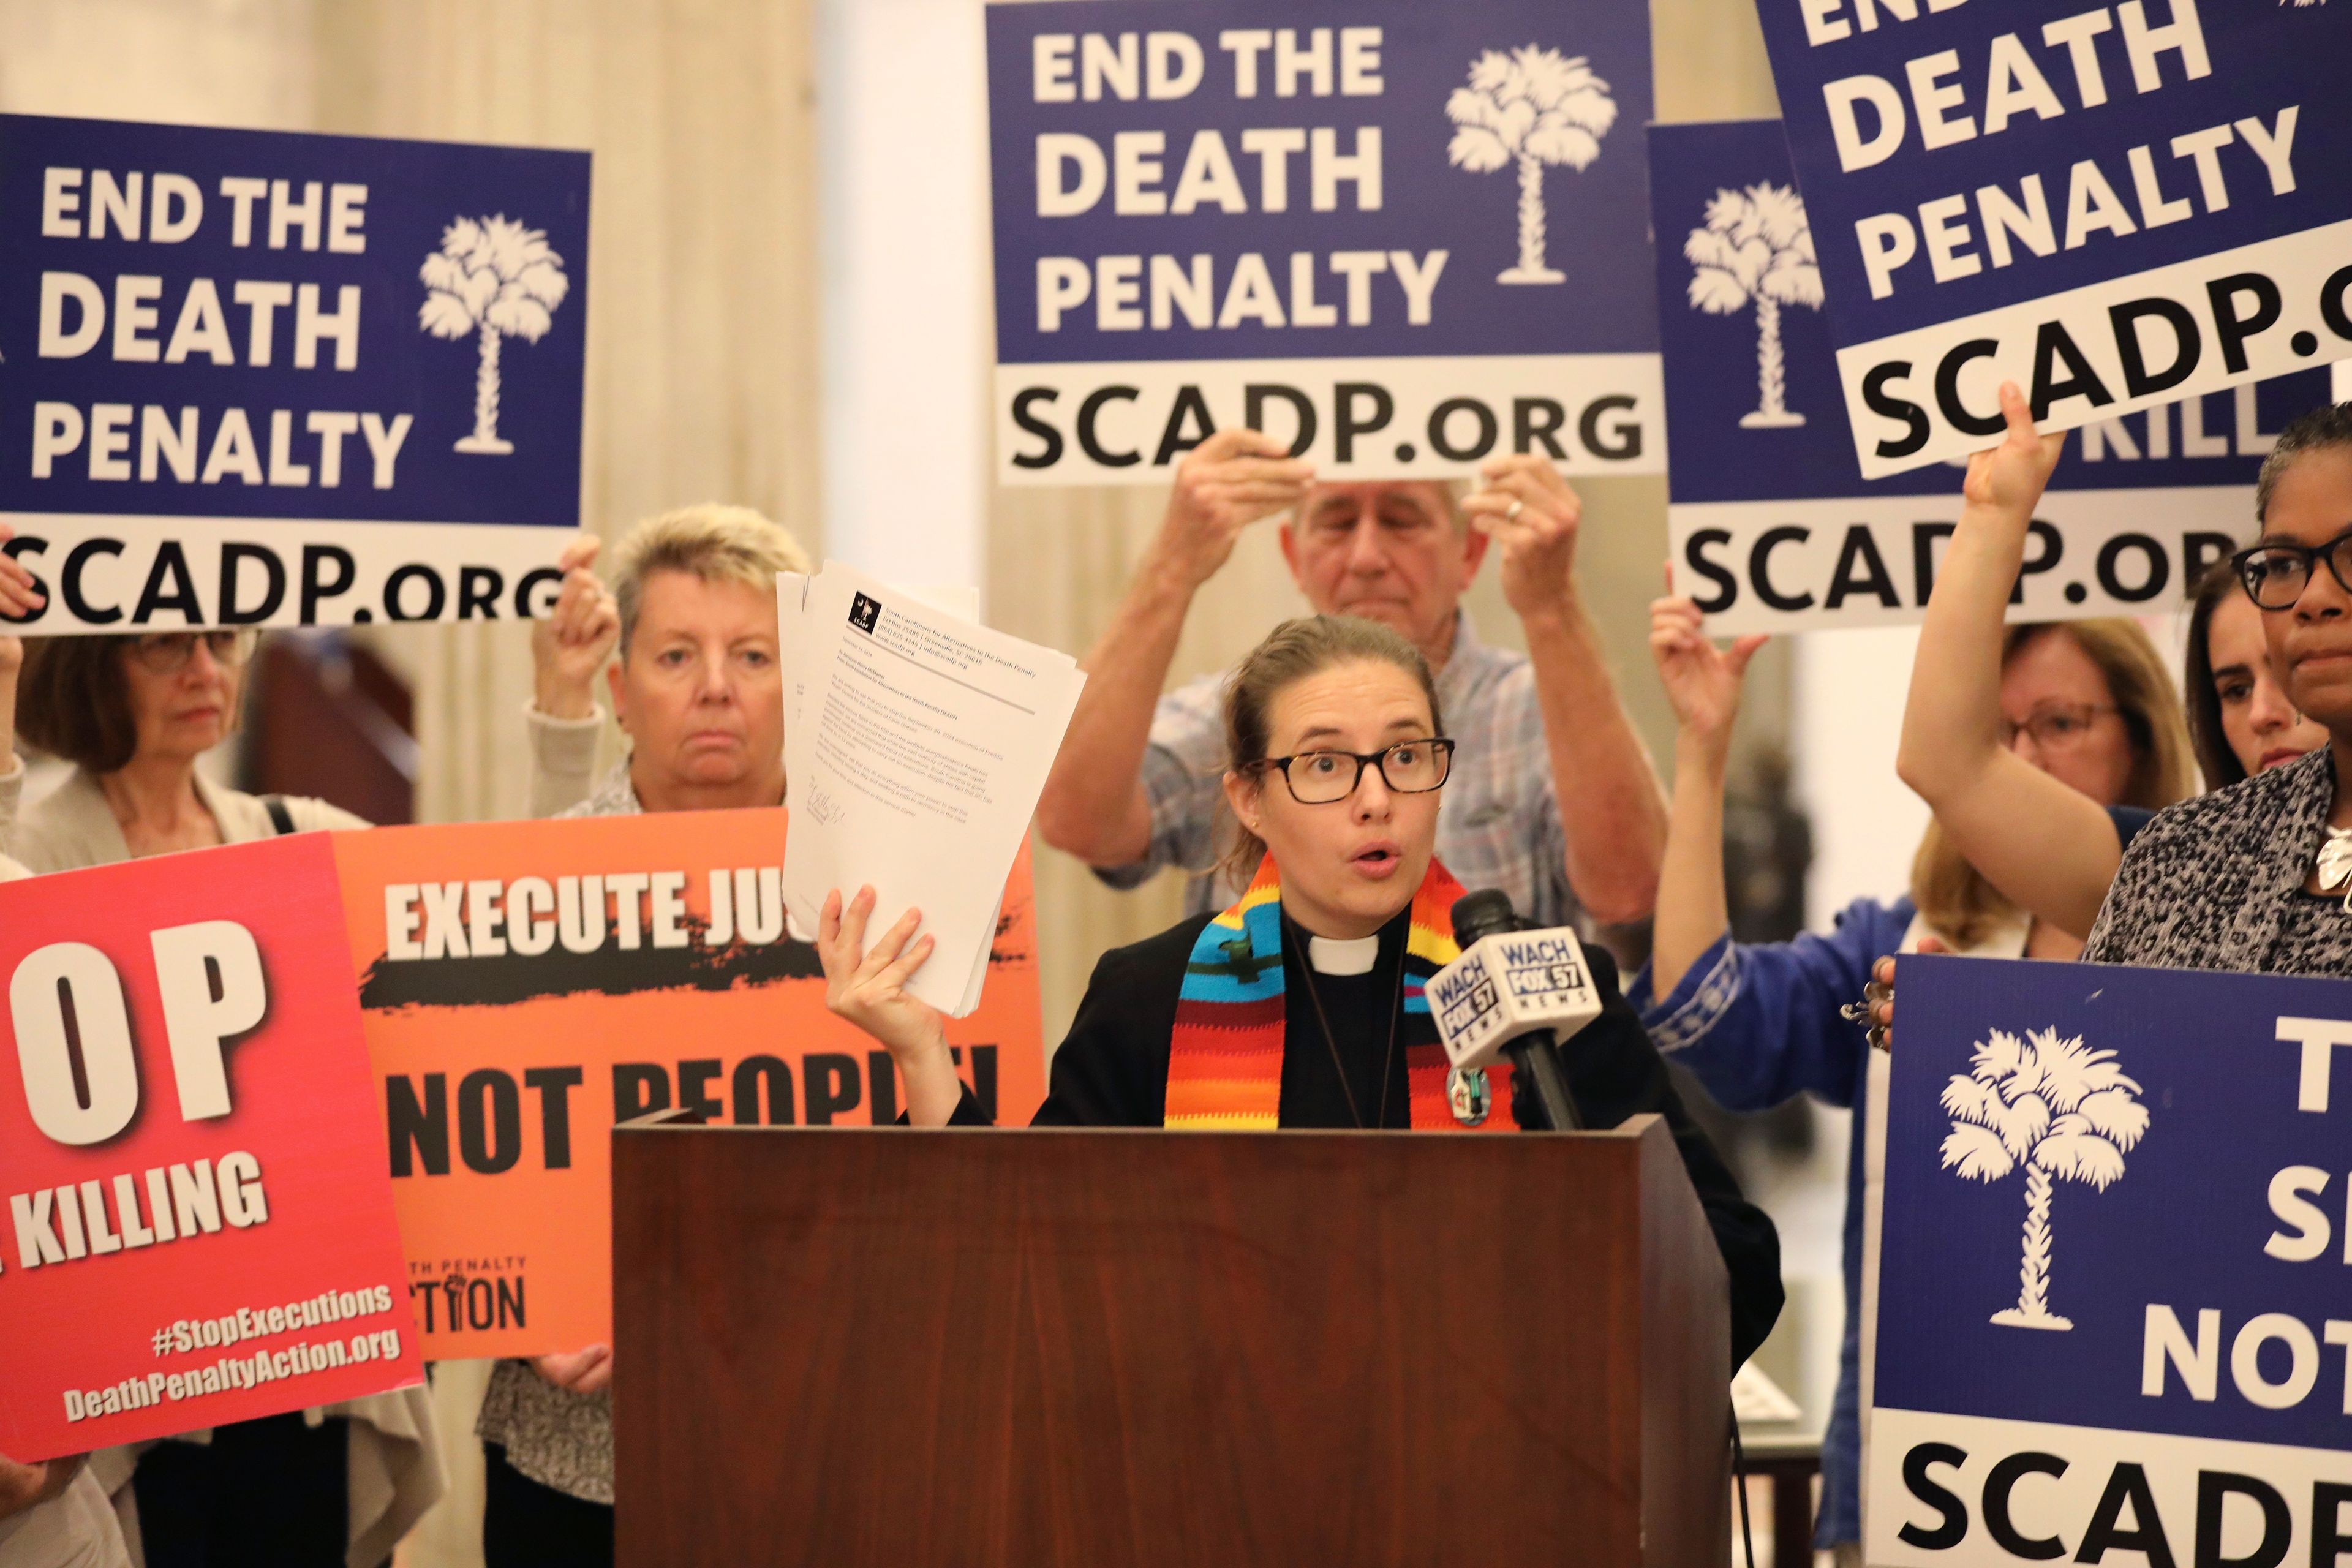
(1094, 1349)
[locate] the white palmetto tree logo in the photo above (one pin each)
(1530, 108)
(494, 277)
(2056, 1108)
(1757, 248)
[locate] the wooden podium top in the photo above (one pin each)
(846, 1346)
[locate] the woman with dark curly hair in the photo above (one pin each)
(2259, 877)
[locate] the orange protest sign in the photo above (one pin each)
(525, 984)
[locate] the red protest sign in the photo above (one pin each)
(199, 1225)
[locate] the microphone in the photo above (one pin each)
(1514, 993)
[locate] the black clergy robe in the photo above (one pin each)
(1112, 1071)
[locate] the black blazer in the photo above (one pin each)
(1112, 1071)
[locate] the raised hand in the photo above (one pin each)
(18, 598)
(1702, 680)
(569, 647)
(2011, 476)
(1531, 514)
(1225, 484)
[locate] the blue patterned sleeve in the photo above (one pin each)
(1758, 1023)
(1183, 782)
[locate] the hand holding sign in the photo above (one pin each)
(569, 647)
(1232, 480)
(1879, 1005)
(20, 593)
(2011, 477)
(19, 599)
(581, 1371)
(1530, 511)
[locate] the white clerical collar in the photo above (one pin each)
(1329, 955)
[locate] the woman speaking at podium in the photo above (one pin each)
(1301, 1006)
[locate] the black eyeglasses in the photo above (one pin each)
(2057, 726)
(168, 653)
(1324, 778)
(2274, 575)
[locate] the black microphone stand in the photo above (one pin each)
(1534, 1055)
(1535, 1059)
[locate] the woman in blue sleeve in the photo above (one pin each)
(2041, 749)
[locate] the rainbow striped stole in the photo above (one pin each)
(1224, 1059)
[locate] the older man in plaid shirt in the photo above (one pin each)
(1552, 798)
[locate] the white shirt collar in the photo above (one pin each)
(1329, 955)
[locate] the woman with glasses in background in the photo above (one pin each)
(2259, 877)
(1301, 1006)
(2043, 750)
(135, 715)
(2024, 740)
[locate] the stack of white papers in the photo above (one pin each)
(916, 744)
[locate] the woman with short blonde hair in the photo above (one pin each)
(713, 541)
(699, 689)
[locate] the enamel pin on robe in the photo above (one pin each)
(1469, 1094)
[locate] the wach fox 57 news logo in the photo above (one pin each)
(2114, 1304)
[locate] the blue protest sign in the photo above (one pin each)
(2112, 1272)
(2112, 207)
(1402, 238)
(252, 378)
(1774, 527)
